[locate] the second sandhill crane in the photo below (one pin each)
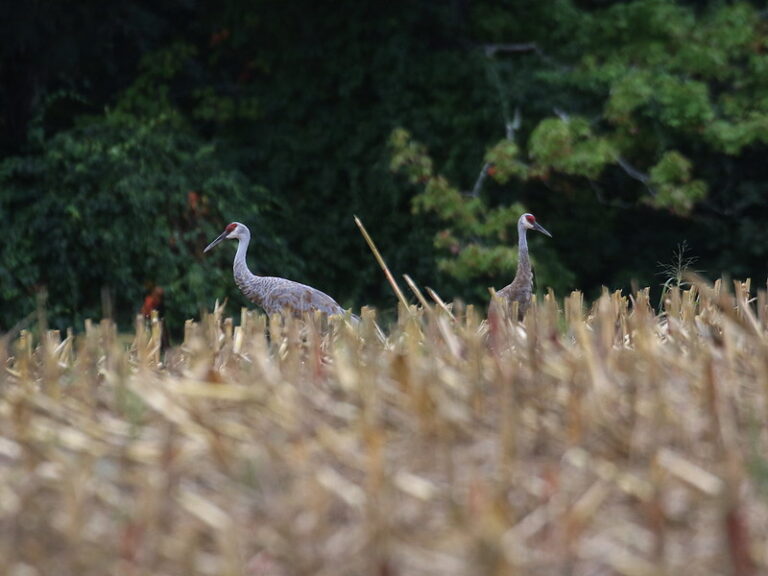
(275, 295)
(522, 286)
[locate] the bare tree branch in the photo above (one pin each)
(633, 172)
(492, 49)
(511, 128)
(480, 179)
(562, 114)
(630, 170)
(522, 48)
(514, 126)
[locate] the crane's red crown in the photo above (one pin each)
(230, 227)
(530, 217)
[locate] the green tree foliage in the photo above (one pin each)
(633, 102)
(122, 202)
(651, 81)
(642, 124)
(478, 244)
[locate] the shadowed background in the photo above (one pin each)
(131, 133)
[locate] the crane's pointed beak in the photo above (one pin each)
(540, 228)
(222, 236)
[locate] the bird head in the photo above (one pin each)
(234, 230)
(529, 222)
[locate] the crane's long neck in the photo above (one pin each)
(523, 263)
(249, 283)
(240, 266)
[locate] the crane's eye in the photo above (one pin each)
(231, 227)
(530, 218)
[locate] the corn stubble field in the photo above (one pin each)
(602, 439)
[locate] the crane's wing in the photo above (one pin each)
(300, 298)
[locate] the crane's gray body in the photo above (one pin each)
(275, 295)
(521, 287)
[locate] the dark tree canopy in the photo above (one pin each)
(131, 132)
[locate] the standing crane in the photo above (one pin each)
(274, 295)
(522, 286)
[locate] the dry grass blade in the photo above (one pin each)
(417, 292)
(439, 301)
(382, 263)
(690, 473)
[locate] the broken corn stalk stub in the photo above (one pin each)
(600, 430)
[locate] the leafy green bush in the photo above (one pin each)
(641, 124)
(671, 178)
(122, 202)
(478, 244)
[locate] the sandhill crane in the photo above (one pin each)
(521, 287)
(274, 295)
